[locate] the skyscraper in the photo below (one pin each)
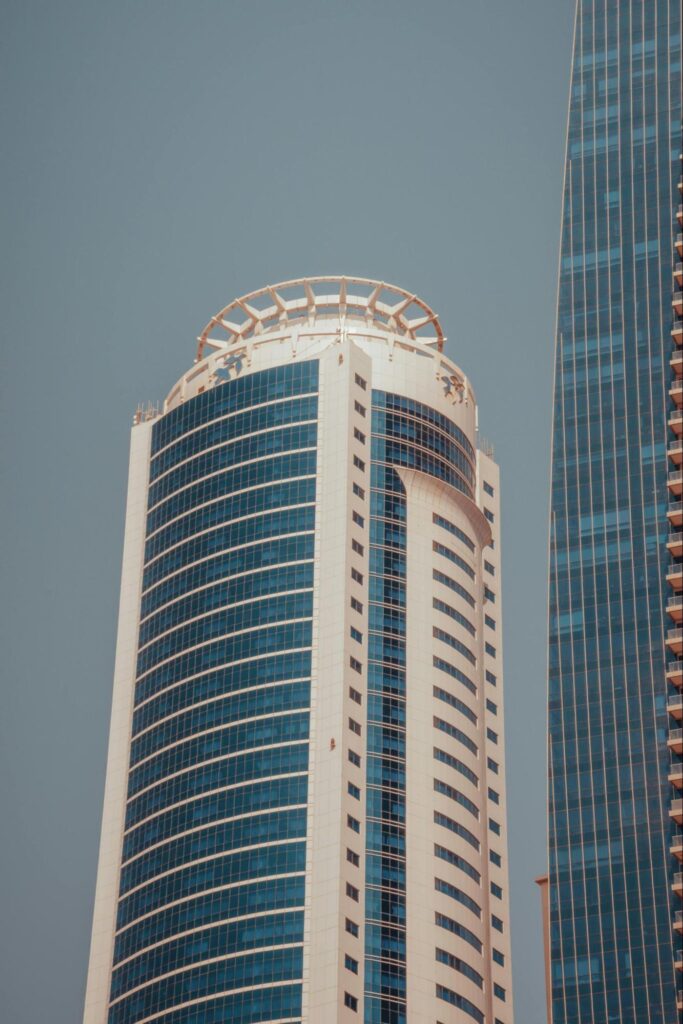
(304, 816)
(674, 577)
(612, 954)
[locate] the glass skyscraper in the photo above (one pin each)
(304, 815)
(610, 869)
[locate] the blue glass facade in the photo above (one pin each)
(609, 832)
(217, 783)
(410, 434)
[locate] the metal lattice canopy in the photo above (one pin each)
(305, 299)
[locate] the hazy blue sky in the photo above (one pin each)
(159, 159)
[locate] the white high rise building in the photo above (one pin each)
(305, 816)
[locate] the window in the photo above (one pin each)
(461, 1002)
(441, 549)
(490, 650)
(457, 734)
(490, 678)
(359, 435)
(454, 614)
(490, 706)
(456, 796)
(360, 409)
(491, 735)
(353, 791)
(354, 726)
(457, 827)
(457, 894)
(358, 548)
(455, 673)
(358, 518)
(360, 382)
(443, 957)
(351, 927)
(492, 765)
(496, 891)
(498, 957)
(499, 992)
(454, 762)
(489, 594)
(353, 823)
(458, 929)
(446, 524)
(494, 826)
(452, 584)
(459, 862)
(488, 488)
(489, 515)
(356, 576)
(358, 490)
(359, 464)
(493, 796)
(491, 623)
(355, 695)
(357, 605)
(351, 1002)
(350, 964)
(496, 923)
(457, 645)
(355, 664)
(489, 568)
(495, 858)
(352, 858)
(356, 635)
(354, 758)
(455, 702)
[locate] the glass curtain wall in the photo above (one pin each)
(610, 870)
(212, 880)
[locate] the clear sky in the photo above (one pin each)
(158, 159)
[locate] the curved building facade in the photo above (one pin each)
(304, 813)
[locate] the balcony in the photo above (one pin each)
(679, 1000)
(676, 361)
(675, 513)
(674, 640)
(676, 392)
(675, 452)
(678, 303)
(676, 848)
(675, 741)
(676, 779)
(675, 708)
(679, 244)
(677, 332)
(679, 211)
(676, 812)
(678, 921)
(674, 575)
(678, 274)
(674, 607)
(674, 543)
(674, 673)
(675, 483)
